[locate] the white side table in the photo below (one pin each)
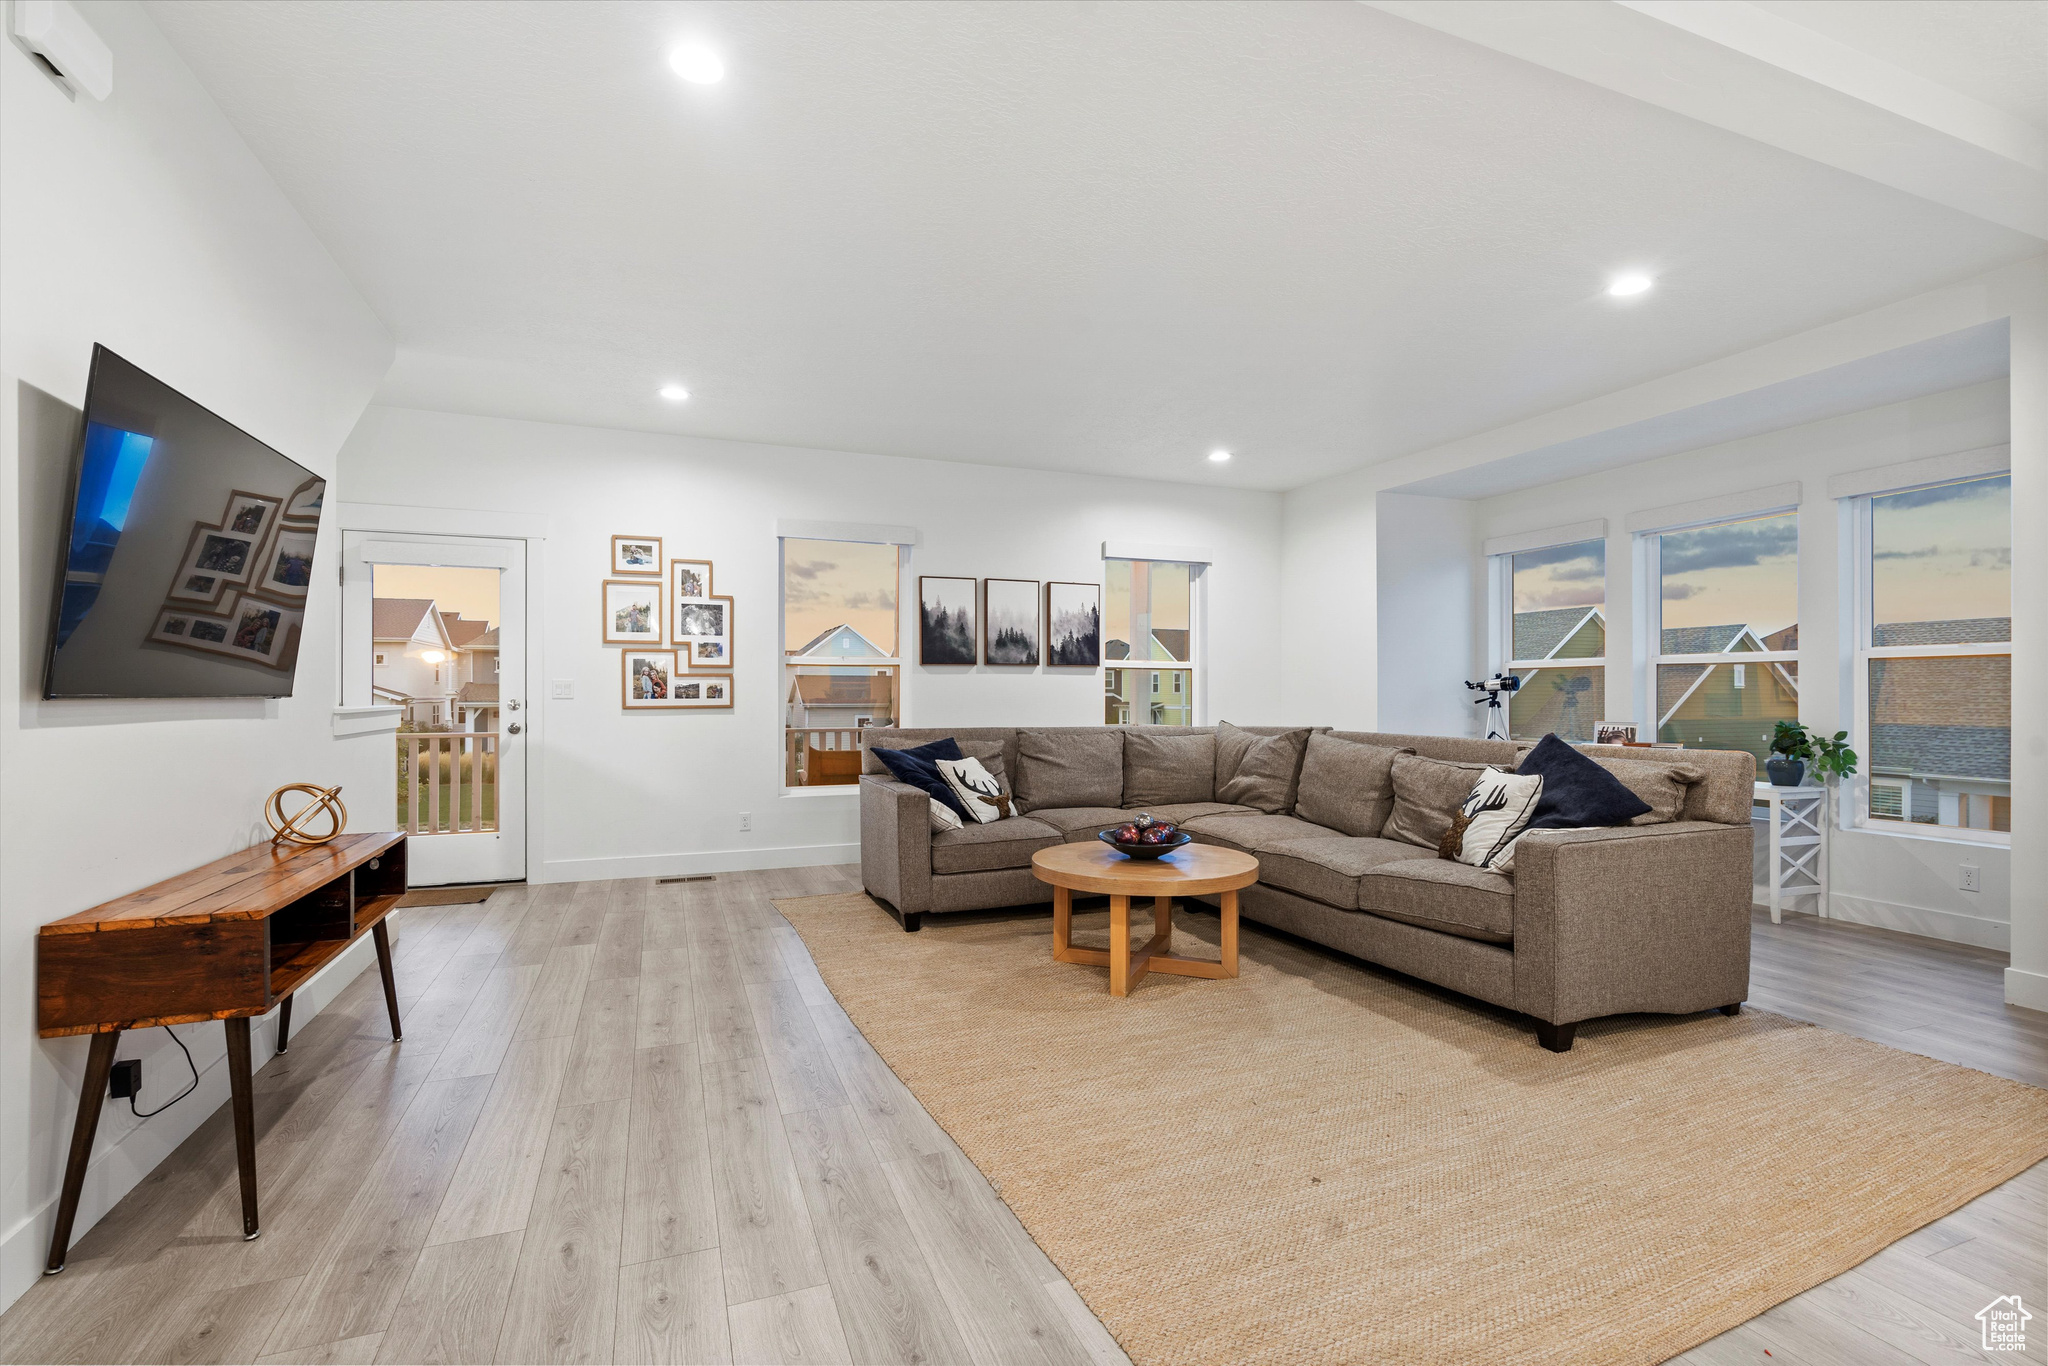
(1799, 845)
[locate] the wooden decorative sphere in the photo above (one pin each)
(292, 829)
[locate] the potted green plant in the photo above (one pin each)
(1791, 747)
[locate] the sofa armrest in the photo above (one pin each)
(1632, 918)
(896, 843)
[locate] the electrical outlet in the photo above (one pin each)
(1967, 875)
(746, 821)
(562, 689)
(125, 1079)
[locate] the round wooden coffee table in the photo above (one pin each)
(1191, 870)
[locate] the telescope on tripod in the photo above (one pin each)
(1490, 691)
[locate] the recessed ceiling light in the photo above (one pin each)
(1219, 455)
(1621, 286)
(675, 393)
(697, 64)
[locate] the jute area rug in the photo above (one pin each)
(1321, 1162)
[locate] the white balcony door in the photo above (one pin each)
(461, 786)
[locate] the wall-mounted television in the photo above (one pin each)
(187, 554)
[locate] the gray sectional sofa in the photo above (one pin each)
(1652, 916)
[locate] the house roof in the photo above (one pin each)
(1961, 631)
(843, 690)
(1173, 640)
(1980, 752)
(815, 641)
(1703, 640)
(462, 632)
(487, 641)
(1537, 634)
(478, 693)
(399, 618)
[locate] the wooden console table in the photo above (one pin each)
(224, 942)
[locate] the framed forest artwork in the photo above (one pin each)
(946, 630)
(1009, 622)
(1073, 620)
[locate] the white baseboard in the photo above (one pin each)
(1949, 925)
(716, 861)
(119, 1164)
(2029, 989)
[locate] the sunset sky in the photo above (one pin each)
(827, 583)
(472, 592)
(1942, 553)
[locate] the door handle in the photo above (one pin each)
(512, 729)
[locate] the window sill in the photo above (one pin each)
(1985, 839)
(807, 794)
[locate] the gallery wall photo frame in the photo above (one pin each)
(253, 630)
(703, 692)
(633, 611)
(947, 620)
(305, 503)
(636, 555)
(1011, 628)
(647, 679)
(1073, 625)
(285, 570)
(703, 632)
(689, 579)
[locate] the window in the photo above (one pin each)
(1555, 639)
(380, 658)
(1934, 657)
(1149, 616)
(1726, 664)
(841, 642)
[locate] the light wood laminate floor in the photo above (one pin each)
(628, 1123)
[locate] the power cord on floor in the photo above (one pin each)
(145, 1114)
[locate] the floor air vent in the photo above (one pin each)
(688, 877)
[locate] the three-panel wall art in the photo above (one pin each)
(1014, 623)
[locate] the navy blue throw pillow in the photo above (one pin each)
(920, 769)
(1576, 791)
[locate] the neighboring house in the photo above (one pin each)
(841, 642)
(1941, 727)
(1172, 643)
(1735, 705)
(1566, 702)
(841, 700)
(441, 668)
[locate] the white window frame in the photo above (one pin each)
(1195, 669)
(1501, 597)
(1649, 558)
(905, 540)
(1855, 813)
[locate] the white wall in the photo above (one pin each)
(1432, 609)
(144, 223)
(618, 794)
(1903, 882)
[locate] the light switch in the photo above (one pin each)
(562, 689)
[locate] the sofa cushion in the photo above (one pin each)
(1577, 791)
(1663, 788)
(1437, 894)
(1427, 793)
(1328, 869)
(1253, 832)
(1167, 766)
(1069, 768)
(919, 768)
(1080, 822)
(1007, 843)
(1346, 786)
(1180, 813)
(1258, 770)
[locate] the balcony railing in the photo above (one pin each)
(820, 756)
(447, 782)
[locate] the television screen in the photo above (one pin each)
(188, 555)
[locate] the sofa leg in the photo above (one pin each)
(913, 921)
(1735, 1009)
(1556, 1037)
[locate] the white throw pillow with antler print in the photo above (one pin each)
(1492, 818)
(980, 791)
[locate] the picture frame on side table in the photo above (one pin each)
(636, 555)
(647, 679)
(946, 620)
(1011, 629)
(689, 579)
(1073, 625)
(632, 612)
(703, 633)
(1615, 733)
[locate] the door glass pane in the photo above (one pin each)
(1941, 564)
(1726, 706)
(1944, 726)
(1147, 610)
(839, 598)
(1560, 597)
(1738, 581)
(1566, 702)
(435, 654)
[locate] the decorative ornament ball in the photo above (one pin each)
(1143, 820)
(295, 827)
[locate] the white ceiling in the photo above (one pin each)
(1055, 235)
(1993, 50)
